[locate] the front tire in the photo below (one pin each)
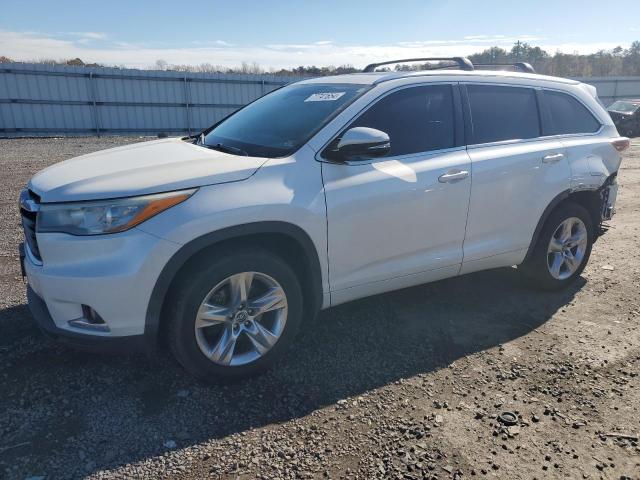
(562, 249)
(234, 316)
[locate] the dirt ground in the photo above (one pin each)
(403, 385)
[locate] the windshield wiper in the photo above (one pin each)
(200, 140)
(225, 148)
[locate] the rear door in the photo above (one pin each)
(516, 173)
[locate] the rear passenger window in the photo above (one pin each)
(503, 113)
(568, 115)
(417, 119)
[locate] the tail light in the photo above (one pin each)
(620, 144)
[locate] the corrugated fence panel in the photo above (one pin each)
(611, 89)
(58, 100)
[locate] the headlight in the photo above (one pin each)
(105, 216)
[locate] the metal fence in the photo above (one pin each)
(59, 100)
(612, 88)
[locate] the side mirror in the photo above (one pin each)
(362, 143)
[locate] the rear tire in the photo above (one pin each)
(562, 250)
(236, 315)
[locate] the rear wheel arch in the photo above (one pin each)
(286, 240)
(589, 199)
(557, 200)
(563, 248)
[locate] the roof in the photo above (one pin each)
(378, 77)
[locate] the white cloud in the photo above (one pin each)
(89, 35)
(32, 46)
(219, 43)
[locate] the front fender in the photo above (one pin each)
(187, 251)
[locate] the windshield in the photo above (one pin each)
(279, 123)
(624, 107)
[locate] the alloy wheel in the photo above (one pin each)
(241, 318)
(567, 248)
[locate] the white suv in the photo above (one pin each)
(321, 192)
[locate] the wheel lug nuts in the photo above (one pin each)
(247, 323)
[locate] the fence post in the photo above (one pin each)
(615, 89)
(92, 92)
(186, 99)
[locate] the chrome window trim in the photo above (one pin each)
(406, 156)
(516, 141)
(536, 139)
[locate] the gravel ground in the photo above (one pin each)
(403, 385)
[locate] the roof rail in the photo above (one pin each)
(522, 66)
(463, 62)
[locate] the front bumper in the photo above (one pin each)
(113, 275)
(92, 343)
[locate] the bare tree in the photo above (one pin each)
(618, 61)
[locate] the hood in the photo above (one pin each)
(139, 169)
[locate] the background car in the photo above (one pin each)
(626, 116)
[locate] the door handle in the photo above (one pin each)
(453, 175)
(552, 158)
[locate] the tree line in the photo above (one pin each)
(618, 61)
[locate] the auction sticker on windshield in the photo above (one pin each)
(324, 97)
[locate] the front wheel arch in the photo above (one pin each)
(282, 238)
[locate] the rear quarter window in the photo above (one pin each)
(567, 115)
(501, 113)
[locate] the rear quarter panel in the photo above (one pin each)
(592, 159)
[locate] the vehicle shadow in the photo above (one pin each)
(121, 410)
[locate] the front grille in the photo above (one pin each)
(29, 205)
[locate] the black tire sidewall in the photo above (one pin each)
(190, 295)
(537, 267)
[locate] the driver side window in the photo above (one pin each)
(417, 119)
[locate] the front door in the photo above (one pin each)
(399, 220)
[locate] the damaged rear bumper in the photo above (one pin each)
(609, 195)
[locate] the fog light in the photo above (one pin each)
(90, 320)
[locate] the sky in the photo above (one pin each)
(287, 33)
